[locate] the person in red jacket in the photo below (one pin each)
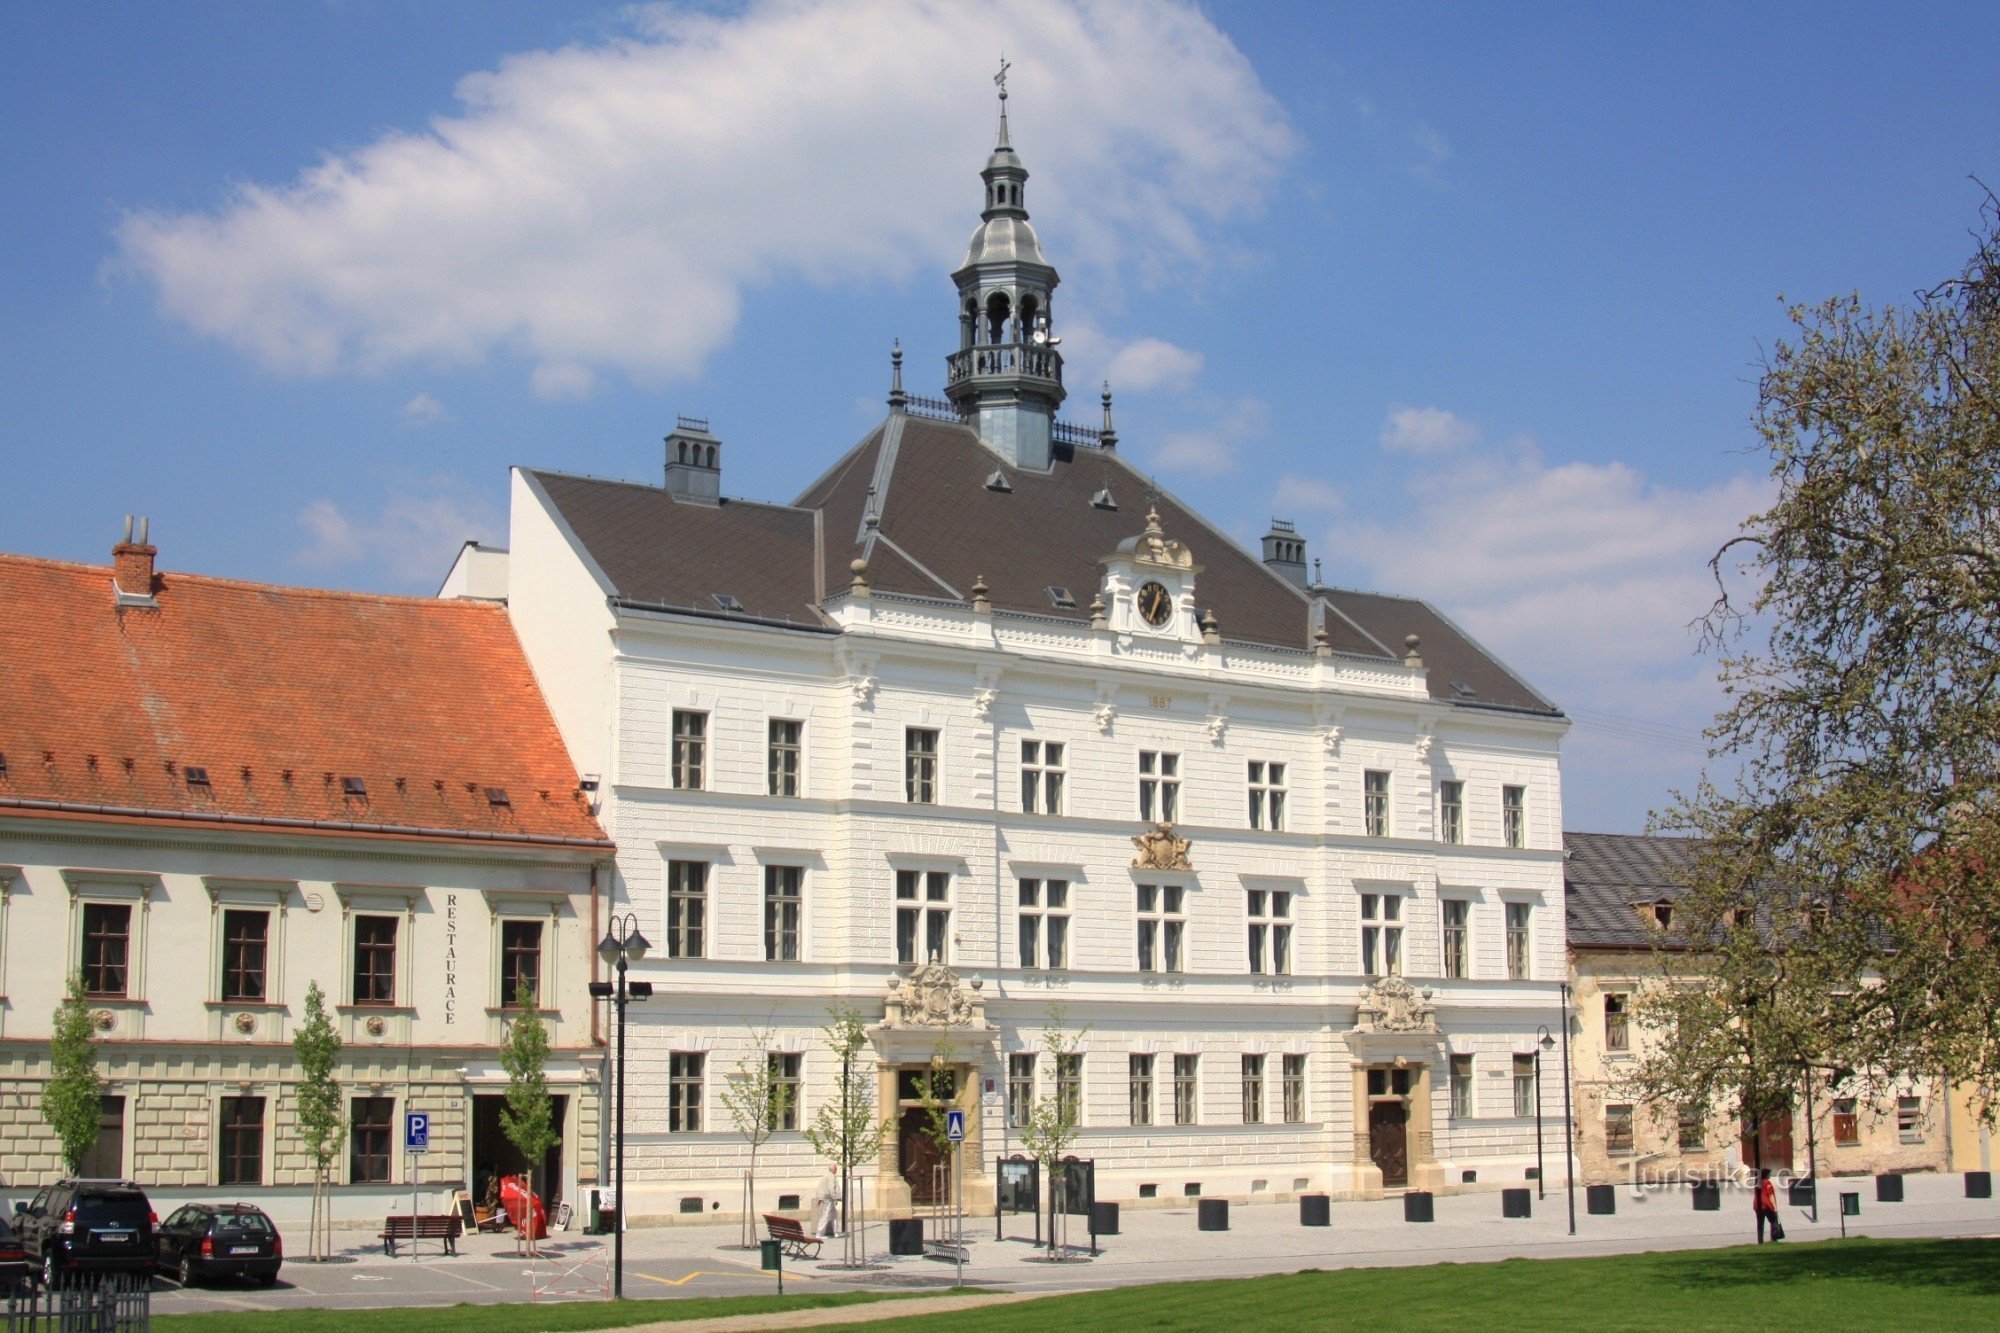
(1765, 1201)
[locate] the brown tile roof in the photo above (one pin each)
(277, 694)
(1607, 875)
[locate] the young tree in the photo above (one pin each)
(316, 1048)
(1053, 1119)
(72, 1099)
(845, 1129)
(528, 1117)
(1864, 818)
(758, 1102)
(939, 1094)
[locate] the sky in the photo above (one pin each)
(1475, 295)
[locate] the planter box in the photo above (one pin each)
(1600, 1200)
(1315, 1210)
(1213, 1214)
(1417, 1207)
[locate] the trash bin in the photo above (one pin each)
(607, 1219)
(1889, 1189)
(1979, 1184)
(1212, 1214)
(1516, 1203)
(1707, 1197)
(1801, 1192)
(1417, 1207)
(906, 1235)
(1850, 1203)
(1600, 1200)
(1315, 1210)
(1104, 1219)
(770, 1256)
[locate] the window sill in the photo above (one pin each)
(375, 1009)
(272, 1006)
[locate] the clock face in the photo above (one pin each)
(1155, 605)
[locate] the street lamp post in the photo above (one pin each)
(1543, 1042)
(1569, 1118)
(622, 944)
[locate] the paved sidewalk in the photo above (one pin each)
(1156, 1245)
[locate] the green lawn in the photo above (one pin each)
(1854, 1284)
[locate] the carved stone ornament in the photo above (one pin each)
(103, 1020)
(376, 1027)
(1394, 1005)
(1330, 738)
(932, 997)
(1162, 849)
(1155, 548)
(982, 704)
(864, 691)
(1105, 715)
(245, 1023)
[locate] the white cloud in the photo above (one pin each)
(604, 207)
(1426, 430)
(562, 381)
(1211, 449)
(412, 540)
(1150, 363)
(1307, 495)
(423, 409)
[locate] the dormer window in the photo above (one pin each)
(354, 789)
(197, 779)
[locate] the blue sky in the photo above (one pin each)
(1473, 294)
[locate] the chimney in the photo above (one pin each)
(132, 566)
(694, 462)
(1285, 551)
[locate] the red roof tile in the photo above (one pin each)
(278, 694)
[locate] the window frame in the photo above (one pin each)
(1382, 930)
(355, 1154)
(1690, 1129)
(1139, 1093)
(1159, 775)
(1455, 938)
(777, 774)
(507, 969)
(687, 750)
(930, 911)
(1910, 1120)
(1618, 1022)
(395, 953)
(1269, 931)
(1527, 1085)
(1451, 811)
(1848, 1120)
(1459, 1073)
(1292, 1072)
(1621, 1129)
(785, 1079)
(1020, 1087)
(232, 964)
(1069, 1084)
(96, 970)
(1187, 1089)
(228, 1164)
(1041, 923)
(1267, 793)
(1252, 1073)
(1514, 815)
(687, 1077)
(1165, 912)
(1043, 779)
(1520, 940)
(923, 770)
(1376, 787)
(780, 900)
(685, 929)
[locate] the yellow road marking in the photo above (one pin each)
(683, 1281)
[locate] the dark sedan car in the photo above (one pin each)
(13, 1259)
(205, 1240)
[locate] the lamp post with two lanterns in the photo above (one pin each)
(622, 944)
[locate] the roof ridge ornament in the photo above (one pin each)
(898, 400)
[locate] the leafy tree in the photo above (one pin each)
(1862, 822)
(845, 1129)
(939, 1094)
(528, 1117)
(758, 1102)
(316, 1047)
(72, 1099)
(1053, 1120)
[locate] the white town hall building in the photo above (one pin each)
(1288, 857)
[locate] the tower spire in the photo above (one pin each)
(1002, 144)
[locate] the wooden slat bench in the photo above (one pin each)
(424, 1226)
(792, 1237)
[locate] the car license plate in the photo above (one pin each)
(113, 1237)
(243, 1249)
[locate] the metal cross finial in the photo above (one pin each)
(1000, 79)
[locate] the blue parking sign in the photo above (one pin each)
(417, 1131)
(954, 1125)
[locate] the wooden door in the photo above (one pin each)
(1771, 1148)
(1388, 1142)
(918, 1156)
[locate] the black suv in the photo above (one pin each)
(87, 1226)
(206, 1240)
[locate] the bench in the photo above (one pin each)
(424, 1226)
(792, 1237)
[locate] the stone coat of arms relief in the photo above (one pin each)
(1162, 849)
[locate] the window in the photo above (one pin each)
(1693, 1129)
(1514, 816)
(1617, 1021)
(1451, 812)
(684, 1092)
(520, 961)
(1910, 1119)
(690, 749)
(1524, 1086)
(1295, 1089)
(1161, 925)
(245, 936)
(1253, 1089)
(369, 1140)
(782, 757)
(1271, 932)
(374, 960)
(1140, 1088)
(1020, 1088)
(107, 948)
(1381, 934)
(1042, 777)
(1044, 923)
(687, 909)
(1267, 796)
(1461, 1087)
(1184, 1089)
(1846, 1123)
(1375, 803)
(783, 900)
(1517, 941)
(241, 1157)
(923, 916)
(1618, 1128)
(920, 772)
(1457, 950)
(783, 1112)
(1159, 786)
(1069, 1085)
(105, 1159)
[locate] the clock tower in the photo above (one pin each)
(1148, 588)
